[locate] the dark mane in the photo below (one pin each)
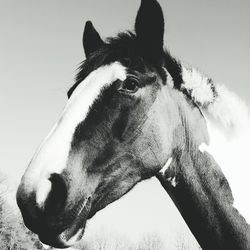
(174, 69)
(126, 49)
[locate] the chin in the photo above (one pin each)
(66, 239)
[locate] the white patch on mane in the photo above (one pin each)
(228, 121)
(197, 85)
(51, 157)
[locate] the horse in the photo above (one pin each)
(134, 112)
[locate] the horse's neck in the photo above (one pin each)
(202, 194)
(194, 180)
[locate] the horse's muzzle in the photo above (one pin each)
(56, 223)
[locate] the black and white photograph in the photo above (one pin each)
(125, 125)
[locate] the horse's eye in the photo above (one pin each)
(130, 85)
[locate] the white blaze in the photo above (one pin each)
(43, 190)
(51, 156)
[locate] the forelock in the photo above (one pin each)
(123, 48)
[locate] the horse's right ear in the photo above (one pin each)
(91, 39)
(149, 28)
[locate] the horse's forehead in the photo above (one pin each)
(88, 91)
(98, 79)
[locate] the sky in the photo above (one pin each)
(41, 48)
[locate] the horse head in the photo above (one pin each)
(122, 121)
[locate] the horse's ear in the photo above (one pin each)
(91, 39)
(149, 28)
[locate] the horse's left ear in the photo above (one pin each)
(91, 39)
(149, 28)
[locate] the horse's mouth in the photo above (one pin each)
(63, 240)
(72, 234)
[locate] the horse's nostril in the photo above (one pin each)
(40, 204)
(56, 199)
